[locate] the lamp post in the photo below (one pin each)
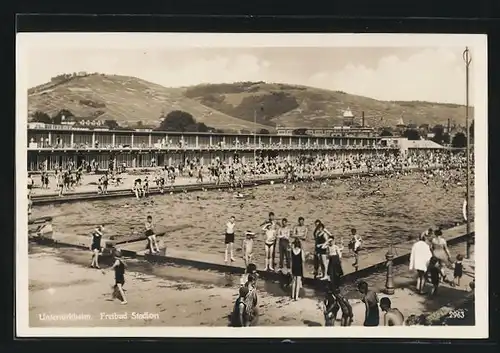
(467, 59)
(254, 136)
(389, 282)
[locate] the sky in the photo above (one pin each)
(434, 74)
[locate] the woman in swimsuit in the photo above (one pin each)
(439, 248)
(321, 241)
(297, 257)
(95, 246)
(441, 252)
(270, 240)
(317, 256)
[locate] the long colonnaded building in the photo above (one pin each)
(54, 146)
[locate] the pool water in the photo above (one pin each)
(376, 206)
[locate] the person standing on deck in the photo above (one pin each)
(334, 267)
(271, 220)
(284, 244)
(60, 183)
(298, 261)
(317, 251)
(229, 239)
(420, 256)
(95, 246)
(300, 230)
(372, 313)
(119, 269)
(269, 242)
(355, 247)
(30, 205)
(247, 247)
(151, 236)
(321, 244)
(31, 183)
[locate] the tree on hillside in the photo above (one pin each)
(264, 132)
(140, 124)
(58, 117)
(41, 117)
(459, 140)
(411, 134)
(438, 131)
(471, 131)
(385, 133)
(181, 121)
(112, 124)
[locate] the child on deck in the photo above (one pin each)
(247, 247)
(436, 274)
(458, 270)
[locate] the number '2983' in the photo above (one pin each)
(457, 314)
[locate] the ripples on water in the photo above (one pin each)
(404, 207)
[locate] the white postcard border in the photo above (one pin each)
(478, 47)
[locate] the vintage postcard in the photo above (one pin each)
(251, 185)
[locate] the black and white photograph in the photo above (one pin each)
(248, 185)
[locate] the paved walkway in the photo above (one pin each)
(182, 297)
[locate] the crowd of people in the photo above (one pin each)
(236, 171)
(286, 240)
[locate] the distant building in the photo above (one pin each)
(70, 120)
(90, 123)
(328, 131)
(407, 146)
(348, 128)
(348, 117)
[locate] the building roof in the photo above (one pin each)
(428, 144)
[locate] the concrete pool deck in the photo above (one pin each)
(369, 263)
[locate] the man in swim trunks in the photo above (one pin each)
(271, 220)
(392, 317)
(300, 230)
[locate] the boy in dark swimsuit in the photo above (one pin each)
(345, 307)
(119, 268)
(372, 314)
(95, 246)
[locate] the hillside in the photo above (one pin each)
(229, 106)
(293, 105)
(126, 100)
